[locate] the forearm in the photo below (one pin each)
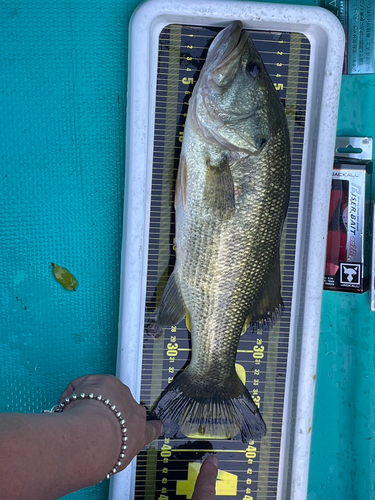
(47, 456)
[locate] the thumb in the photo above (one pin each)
(205, 486)
(154, 429)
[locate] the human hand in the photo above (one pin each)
(205, 485)
(140, 431)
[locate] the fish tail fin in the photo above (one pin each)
(203, 409)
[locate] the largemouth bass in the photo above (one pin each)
(232, 194)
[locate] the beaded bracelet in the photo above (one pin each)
(74, 397)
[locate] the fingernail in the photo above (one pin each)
(215, 460)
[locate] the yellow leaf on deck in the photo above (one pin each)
(65, 277)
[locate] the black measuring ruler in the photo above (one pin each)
(169, 467)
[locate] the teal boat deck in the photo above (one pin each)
(63, 84)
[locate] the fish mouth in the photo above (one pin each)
(227, 45)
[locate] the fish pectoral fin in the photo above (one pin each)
(270, 302)
(181, 183)
(219, 189)
(172, 308)
(259, 142)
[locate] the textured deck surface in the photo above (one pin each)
(62, 142)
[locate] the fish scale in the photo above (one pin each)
(163, 471)
(227, 259)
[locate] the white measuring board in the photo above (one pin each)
(307, 72)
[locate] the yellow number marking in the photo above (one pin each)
(279, 86)
(187, 81)
(226, 483)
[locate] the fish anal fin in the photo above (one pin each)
(172, 307)
(181, 183)
(219, 189)
(270, 302)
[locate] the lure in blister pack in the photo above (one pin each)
(337, 227)
(347, 258)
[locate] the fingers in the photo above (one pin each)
(154, 429)
(106, 385)
(72, 387)
(205, 486)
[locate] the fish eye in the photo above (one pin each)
(253, 69)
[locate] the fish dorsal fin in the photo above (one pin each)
(270, 301)
(172, 307)
(181, 182)
(219, 189)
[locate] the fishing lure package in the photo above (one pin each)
(349, 222)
